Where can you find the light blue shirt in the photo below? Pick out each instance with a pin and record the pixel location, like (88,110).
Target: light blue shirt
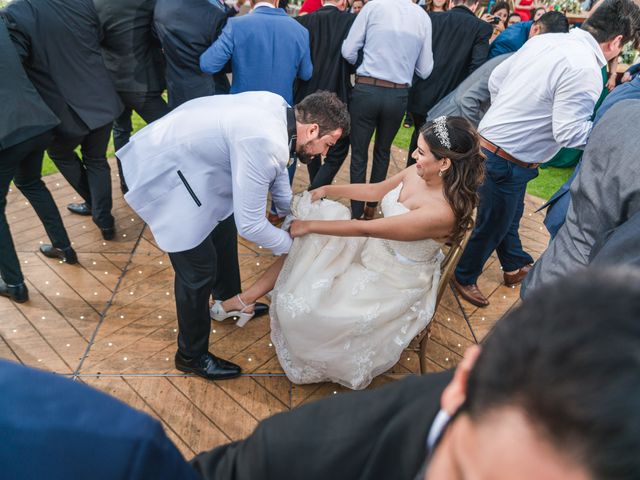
(395,36)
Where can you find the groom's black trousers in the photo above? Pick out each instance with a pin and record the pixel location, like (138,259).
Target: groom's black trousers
(212,266)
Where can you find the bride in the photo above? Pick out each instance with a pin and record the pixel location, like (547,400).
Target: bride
(352,294)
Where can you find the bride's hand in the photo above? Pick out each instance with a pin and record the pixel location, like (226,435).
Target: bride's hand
(299,228)
(318,193)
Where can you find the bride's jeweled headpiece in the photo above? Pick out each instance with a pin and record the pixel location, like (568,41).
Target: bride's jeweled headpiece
(440,128)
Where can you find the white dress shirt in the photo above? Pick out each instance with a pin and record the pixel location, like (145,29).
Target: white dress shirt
(543,97)
(209,158)
(396,36)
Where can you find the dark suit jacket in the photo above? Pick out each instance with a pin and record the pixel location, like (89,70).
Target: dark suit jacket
(186,28)
(328,27)
(59,44)
(131,52)
(24,114)
(460,45)
(376,434)
(618,246)
(45,418)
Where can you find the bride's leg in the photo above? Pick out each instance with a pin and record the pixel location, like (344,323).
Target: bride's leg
(261,287)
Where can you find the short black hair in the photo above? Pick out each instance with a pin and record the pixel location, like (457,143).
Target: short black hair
(553,22)
(325,109)
(613,18)
(514,14)
(500,6)
(569,358)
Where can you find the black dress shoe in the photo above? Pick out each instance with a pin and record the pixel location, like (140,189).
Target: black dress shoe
(79,209)
(108,233)
(260,309)
(208,366)
(67,255)
(17,293)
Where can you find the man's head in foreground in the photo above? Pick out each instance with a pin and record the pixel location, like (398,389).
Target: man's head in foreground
(554,393)
(321,120)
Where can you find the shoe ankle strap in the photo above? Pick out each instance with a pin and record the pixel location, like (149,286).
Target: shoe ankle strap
(244,305)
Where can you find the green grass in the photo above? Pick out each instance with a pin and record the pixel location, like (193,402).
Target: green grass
(548,181)
(546,184)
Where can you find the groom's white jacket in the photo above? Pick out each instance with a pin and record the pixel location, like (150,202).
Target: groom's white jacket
(209,158)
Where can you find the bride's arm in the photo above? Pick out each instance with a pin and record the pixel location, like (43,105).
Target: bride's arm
(366,192)
(419,224)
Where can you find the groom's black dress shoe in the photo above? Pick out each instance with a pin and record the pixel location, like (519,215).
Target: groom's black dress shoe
(260,309)
(208,366)
(79,208)
(17,293)
(67,255)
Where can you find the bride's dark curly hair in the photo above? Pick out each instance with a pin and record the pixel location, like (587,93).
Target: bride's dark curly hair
(462,179)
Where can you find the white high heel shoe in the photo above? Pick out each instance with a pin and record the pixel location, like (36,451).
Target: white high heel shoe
(218,313)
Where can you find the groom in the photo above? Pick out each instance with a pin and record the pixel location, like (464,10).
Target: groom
(202,173)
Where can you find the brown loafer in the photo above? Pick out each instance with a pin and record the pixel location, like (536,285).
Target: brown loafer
(515,278)
(369,213)
(471,293)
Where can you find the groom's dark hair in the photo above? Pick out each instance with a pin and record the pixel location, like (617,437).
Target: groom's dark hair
(569,358)
(325,109)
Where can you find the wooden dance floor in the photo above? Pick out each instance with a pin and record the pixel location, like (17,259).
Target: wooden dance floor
(110,322)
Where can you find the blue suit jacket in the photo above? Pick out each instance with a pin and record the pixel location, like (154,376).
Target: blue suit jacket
(57,429)
(268,50)
(511,40)
(559,203)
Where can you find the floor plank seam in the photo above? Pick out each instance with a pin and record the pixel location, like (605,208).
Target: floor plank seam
(109,303)
(464,315)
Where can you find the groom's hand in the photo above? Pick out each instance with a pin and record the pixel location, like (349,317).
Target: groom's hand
(318,194)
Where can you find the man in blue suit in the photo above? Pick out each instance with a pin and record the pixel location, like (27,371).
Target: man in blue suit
(511,39)
(54,428)
(267,48)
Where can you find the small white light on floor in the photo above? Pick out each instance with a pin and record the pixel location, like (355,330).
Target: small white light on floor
(104,243)
(106,273)
(540,228)
(41,242)
(271,345)
(459,345)
(15,330)
(110,344)
(84,226)
(68,345)
(448,319)
(121,316)
(10,190)
(175,330)
(95,293)
(130,293)
(159,316)
(81,317)
(46,282)
(166,359)
(73,243)
(133,220)
(260,246)
(124,235)
(483,319)
(160,262)
(334,392)
(504,296)
(140,272)
(257,264)
(125,359)
(249,358)
(26,203)
(513,286)
(44,318)
(167,294)
(57,293)
(60,261)
(446,359)
(26,261)
(39,360)
(57,184)
(408,359)
(213,331)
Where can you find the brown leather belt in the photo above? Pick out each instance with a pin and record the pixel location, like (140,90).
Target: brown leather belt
(379,83)
(496,150)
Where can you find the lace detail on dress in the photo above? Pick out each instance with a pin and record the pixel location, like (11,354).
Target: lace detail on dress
(367,277)
(294,305)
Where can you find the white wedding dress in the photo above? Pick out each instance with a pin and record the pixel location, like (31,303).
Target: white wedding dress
(344,308)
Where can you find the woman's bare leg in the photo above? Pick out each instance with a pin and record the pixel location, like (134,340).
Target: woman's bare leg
(261,287)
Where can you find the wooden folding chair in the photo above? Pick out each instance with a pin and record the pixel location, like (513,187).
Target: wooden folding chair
(447,267)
